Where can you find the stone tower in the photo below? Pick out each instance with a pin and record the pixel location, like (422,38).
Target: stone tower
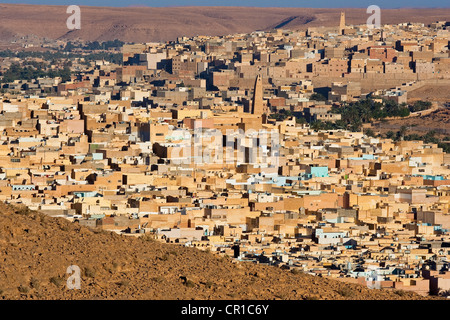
(342,23)
(257,101)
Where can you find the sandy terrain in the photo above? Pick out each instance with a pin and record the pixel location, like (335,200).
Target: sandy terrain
(145,24)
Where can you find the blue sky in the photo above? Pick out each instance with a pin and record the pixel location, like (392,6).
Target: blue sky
(252,3)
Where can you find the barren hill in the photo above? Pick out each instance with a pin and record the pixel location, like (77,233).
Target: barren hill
(437,121)
(146,24)
(35,251)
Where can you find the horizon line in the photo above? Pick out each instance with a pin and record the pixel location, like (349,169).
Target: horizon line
(220,6)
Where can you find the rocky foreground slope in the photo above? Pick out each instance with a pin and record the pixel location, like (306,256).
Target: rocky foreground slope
(35,251)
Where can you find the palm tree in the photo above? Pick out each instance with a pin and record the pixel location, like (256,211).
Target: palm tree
(390,134)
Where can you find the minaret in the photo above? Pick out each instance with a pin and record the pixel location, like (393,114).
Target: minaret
(257,101)
(342,23)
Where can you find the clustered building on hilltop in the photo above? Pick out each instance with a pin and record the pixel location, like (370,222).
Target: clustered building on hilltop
(177,144)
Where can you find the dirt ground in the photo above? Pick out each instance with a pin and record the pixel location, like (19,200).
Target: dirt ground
(36,250)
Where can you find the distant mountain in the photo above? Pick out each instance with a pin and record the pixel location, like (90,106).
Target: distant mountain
(146,24)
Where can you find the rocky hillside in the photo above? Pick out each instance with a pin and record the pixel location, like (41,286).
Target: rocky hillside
(35,251)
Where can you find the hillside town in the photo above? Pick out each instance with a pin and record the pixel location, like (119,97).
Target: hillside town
(238,145)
